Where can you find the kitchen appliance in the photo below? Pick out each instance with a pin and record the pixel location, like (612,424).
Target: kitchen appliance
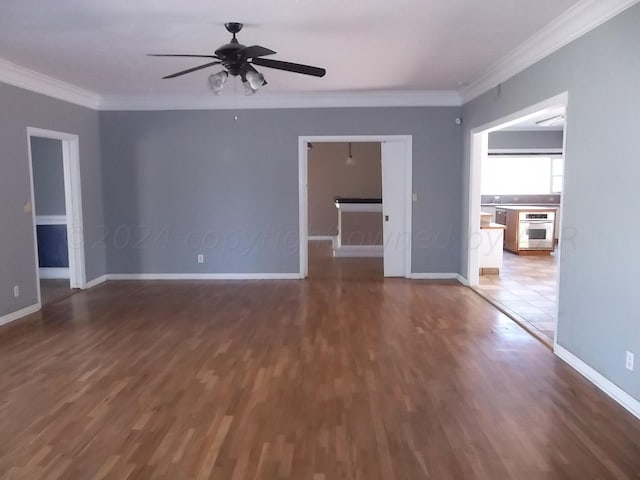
(536,230)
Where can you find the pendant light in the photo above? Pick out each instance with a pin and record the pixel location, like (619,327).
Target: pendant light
(350,160)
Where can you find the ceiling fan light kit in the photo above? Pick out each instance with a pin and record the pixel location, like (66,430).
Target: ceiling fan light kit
(217,81)
(238,61)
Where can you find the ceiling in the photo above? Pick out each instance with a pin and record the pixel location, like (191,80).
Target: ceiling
(531,122)
(364,45)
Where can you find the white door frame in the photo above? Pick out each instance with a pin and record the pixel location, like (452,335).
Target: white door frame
(478,150)
(303,160)
(73,204)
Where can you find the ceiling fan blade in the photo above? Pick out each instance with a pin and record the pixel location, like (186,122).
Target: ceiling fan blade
(179,55)
(255,51)
(290,67)
(193,69)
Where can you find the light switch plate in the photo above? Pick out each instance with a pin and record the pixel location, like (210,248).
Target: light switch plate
(414,196)
(27,207)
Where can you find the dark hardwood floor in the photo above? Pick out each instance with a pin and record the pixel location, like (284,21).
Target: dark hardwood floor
(329,378)
(53,290)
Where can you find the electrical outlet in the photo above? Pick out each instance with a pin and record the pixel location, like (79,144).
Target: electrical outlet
(630,361)
(16,291)
(200,258)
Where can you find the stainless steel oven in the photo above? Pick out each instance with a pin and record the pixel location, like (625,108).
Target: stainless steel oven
(536,231)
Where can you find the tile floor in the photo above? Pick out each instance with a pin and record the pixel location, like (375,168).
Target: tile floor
(526,287)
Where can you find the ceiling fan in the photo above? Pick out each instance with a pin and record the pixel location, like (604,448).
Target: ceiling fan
(239,60)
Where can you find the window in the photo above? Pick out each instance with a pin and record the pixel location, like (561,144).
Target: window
(522,175)
(557,174)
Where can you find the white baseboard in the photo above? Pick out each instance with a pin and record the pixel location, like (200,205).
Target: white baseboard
(359,251)
(434,276)
(321,238)
(204,276)
(96,281)
(462,279)
(12,317)
(49,273)
(611,389)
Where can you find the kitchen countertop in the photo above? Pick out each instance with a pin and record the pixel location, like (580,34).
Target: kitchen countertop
(493,226)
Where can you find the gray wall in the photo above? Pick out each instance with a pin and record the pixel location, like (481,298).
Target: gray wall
(179,183)
(526,139)
(20,109)
(48,176)
(598,318)
(330,176)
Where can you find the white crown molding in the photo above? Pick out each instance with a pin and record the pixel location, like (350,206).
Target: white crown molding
(33,81)
(572,24)
(264,100)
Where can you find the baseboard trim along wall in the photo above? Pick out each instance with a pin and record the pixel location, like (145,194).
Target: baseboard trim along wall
(12,317)
(204,276)
(96,281)
(611,389)
(437,276)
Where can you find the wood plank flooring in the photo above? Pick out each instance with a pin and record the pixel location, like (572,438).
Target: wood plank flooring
(324,379)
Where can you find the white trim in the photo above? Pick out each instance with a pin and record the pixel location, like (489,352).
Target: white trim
(401,98)
(53,273)
(73,202)
(508,151)
(303,205)
(572,24)
(203,276)
(435,276)
(12,317)
(360,207)
(51,219)
(359,251)
(96,281)
(33,81)
(631,404)
(531,128)
(322,238)
(303,160)
(463,280)
(32,199)
(479,148)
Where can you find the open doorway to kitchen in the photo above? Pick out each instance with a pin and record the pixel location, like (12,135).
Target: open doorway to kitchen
(355,205)
(56,207)
(518,175)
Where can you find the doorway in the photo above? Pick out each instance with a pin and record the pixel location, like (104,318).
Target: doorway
(56,208)
(345,210)
(396,161)
(525,283)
